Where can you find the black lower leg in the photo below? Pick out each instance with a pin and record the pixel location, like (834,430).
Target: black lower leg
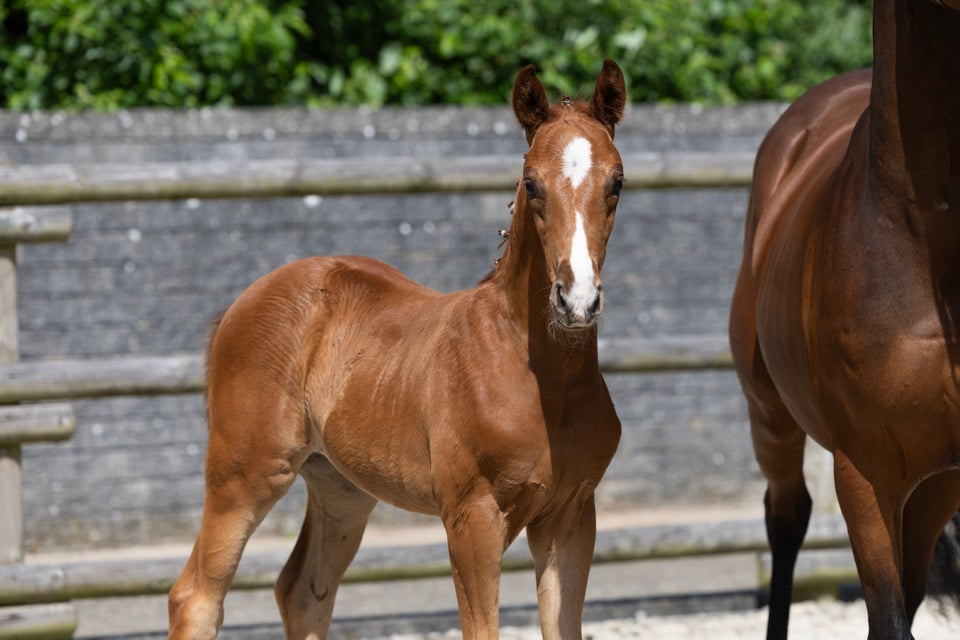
(785,533)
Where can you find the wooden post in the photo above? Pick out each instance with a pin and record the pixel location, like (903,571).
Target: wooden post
(11,502)
(32,423)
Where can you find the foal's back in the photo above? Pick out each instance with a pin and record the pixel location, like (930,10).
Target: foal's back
(291,316)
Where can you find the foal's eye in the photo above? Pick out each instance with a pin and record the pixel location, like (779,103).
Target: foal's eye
(617,186)
(531,188)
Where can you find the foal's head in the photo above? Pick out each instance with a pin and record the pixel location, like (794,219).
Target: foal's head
(571,184)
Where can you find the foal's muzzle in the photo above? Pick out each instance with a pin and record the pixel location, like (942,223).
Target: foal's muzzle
(576,306)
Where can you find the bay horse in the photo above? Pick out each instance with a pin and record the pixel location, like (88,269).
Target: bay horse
(485,407)
(845,322)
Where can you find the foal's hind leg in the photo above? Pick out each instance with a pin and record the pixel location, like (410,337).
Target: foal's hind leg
(337,513)
(251,462)
(233,509)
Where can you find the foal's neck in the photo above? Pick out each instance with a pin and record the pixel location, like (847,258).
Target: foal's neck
(521,282)
(915,104)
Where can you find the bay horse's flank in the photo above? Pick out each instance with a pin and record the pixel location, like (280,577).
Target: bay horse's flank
(844,324)
(485,407)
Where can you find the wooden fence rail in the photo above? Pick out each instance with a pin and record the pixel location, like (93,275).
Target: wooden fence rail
(259,569)
(34,224)
(20,424)
(62,183)
(184,373)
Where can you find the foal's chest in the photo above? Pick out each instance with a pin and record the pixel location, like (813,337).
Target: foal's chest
(580,443)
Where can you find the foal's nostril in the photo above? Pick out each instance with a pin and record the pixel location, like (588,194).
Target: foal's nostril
(560,299)
(597,301)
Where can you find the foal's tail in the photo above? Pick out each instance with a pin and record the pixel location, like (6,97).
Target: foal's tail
(212,327)
(944,581)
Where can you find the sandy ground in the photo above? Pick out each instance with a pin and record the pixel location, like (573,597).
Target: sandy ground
(824,620)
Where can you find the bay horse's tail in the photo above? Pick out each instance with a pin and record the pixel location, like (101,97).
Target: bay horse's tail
(944,583)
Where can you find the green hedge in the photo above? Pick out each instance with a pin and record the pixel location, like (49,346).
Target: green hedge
(106,54)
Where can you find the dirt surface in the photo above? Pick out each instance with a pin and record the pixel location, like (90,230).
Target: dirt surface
(823,620)
(638,593)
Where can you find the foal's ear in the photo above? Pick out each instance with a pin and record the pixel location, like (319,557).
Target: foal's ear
(530,102)
(610,96)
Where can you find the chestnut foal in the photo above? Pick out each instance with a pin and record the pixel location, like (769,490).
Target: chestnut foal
(485,407)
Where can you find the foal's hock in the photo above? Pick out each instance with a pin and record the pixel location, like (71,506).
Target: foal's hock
(485,407)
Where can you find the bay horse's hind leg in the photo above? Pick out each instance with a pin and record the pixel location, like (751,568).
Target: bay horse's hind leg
(337,513)
(875,525)
(933,503)
(778,444)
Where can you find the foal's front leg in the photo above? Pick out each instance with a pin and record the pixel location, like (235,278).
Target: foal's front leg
(476,539)
(562,547)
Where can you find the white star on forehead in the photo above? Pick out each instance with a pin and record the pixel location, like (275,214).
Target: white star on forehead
(577,160)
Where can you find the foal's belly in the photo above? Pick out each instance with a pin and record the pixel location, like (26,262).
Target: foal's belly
(364,380)
(370,422)
(381,445)
(389,474)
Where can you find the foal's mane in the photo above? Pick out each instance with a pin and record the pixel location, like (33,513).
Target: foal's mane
(489,275)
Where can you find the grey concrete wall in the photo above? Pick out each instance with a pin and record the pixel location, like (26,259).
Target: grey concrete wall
(146,277)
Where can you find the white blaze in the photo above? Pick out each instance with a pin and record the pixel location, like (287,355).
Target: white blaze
(583,291)
(577,160)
